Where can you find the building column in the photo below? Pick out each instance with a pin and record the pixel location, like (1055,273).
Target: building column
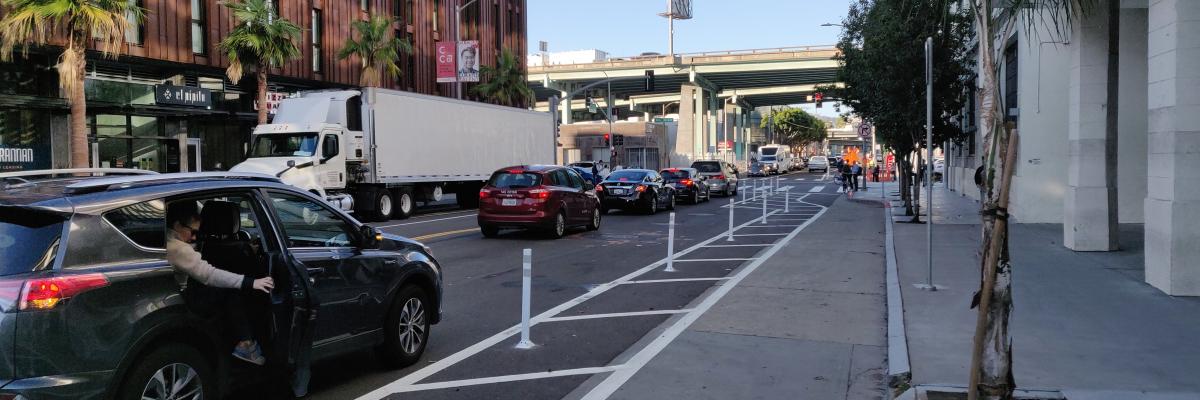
(1172,204)
(700,128)
(1090,209)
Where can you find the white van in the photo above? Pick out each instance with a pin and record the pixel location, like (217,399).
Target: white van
(776,158)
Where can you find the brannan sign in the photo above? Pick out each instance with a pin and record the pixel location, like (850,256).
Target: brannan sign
(182,96)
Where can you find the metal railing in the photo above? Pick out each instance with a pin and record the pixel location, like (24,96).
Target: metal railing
(647,57)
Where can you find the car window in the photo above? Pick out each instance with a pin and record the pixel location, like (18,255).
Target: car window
(142,223)
(28,240)
(676,174)
(576,179)
(247,216)
(709,167)
(515,180)
(307,223)
(627,176)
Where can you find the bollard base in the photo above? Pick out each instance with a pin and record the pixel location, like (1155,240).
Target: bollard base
(931,288)
(525,345)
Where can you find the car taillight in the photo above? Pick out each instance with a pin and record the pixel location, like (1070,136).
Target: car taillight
(46,293)
(686,182)
(540,194)
(640,188)
(719,177)
(484,193)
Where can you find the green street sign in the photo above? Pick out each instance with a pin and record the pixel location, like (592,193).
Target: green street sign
(664,119)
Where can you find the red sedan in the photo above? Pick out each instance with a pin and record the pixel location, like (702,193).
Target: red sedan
(549,198)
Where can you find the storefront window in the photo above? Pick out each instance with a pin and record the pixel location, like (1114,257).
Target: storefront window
(24,140)
(133,141)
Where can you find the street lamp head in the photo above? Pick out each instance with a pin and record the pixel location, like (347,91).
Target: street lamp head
(830,24)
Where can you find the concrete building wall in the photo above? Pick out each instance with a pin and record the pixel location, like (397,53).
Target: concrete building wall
(1040,180)
(1131,143)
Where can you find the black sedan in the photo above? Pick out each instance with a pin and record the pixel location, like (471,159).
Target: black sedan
(635,189)
(688,183)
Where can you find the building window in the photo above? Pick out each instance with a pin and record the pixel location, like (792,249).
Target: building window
(1010,83)
(499,33)
(198,42)
(408,11)
(316,40)
(365,5)
(134,33)
(436,14)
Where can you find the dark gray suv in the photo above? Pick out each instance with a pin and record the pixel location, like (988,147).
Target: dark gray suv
(90,309)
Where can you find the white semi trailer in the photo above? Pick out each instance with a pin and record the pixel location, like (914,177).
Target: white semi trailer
(378,152)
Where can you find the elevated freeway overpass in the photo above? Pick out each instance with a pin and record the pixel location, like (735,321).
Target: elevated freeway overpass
(714,92)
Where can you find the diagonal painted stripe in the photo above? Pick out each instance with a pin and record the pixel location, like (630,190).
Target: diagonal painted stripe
(619,315)
(816,189)
(506,378)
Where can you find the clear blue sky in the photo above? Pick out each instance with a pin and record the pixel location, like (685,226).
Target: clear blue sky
(630,27)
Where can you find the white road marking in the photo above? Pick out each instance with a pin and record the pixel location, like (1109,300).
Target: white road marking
(427,221)
(759,234)
(507,378)
(741,245)
(771,226)
(840,190)
(675,280)
(405,383)
(618,378)
(616,315)
(816,189)
(713,259)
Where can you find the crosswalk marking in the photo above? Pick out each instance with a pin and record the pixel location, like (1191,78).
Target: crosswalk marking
(817,189)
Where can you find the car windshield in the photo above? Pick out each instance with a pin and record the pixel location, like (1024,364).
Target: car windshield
(676,174)
(582,165)
(515,180)
(707,167)
(769,151)
(285,145)
(28,240)
(817,160)
(627,176)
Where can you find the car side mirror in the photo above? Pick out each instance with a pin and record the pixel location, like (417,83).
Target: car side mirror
(291,163)
(369,237)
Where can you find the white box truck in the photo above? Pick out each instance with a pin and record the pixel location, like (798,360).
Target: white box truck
(777,158)
(377,152)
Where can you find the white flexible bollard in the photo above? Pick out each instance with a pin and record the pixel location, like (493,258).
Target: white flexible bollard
(787,200)
(764,216)
(526,282)
(730,238)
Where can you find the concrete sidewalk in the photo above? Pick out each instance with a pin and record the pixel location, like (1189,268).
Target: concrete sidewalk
(807,324)
(1085,324)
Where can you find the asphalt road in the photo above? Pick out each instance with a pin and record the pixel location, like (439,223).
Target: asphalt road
(483,287)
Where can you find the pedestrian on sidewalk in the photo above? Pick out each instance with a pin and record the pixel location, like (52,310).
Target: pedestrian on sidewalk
(875,173)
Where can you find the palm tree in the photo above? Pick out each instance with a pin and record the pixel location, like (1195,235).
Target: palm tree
(505,83)
(376,48)
(990,372)
(261,39)
(35,22)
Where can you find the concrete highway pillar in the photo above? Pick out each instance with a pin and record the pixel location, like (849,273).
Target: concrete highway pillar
(566,107)
(685,137)
(1172,204)
(1090,209)
(701,126)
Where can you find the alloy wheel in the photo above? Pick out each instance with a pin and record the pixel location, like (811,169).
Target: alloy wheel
(560,225)
(176,381)
(412,325)
(385,205)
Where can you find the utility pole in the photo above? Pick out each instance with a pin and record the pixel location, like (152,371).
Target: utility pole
(458,38)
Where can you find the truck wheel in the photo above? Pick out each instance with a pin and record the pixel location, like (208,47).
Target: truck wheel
(174,371)
(404,203)
(407,329)
(384,206)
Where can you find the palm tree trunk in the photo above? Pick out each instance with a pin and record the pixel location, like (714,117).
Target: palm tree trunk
(78,99)
(902,173)
(916,188)
(261,75)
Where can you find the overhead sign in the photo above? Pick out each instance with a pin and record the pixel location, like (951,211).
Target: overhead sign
(182,96)
(446,67)
(273,99)
(468,61)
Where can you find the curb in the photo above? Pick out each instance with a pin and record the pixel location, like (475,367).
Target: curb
(899,369)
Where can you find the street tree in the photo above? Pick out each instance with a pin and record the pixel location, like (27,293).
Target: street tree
(260,39)
(376,48)
(882,66)
(990,371)
(795,127)
(36,22)
(505,84)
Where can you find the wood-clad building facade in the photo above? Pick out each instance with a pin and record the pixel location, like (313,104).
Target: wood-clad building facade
(177,45)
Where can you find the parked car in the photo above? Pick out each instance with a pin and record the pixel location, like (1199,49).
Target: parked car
(720,176)
(635,189)
(548,198)
(688,183)
(818,163)
(601,169)
(92,310)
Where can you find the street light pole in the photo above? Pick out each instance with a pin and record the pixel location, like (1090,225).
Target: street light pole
(670,29)
(458,38)
(929,162)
